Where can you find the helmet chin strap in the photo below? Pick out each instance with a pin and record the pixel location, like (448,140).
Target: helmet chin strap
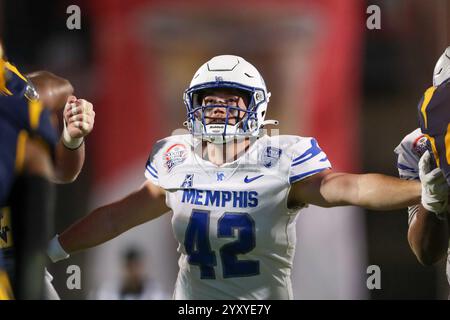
(217,137)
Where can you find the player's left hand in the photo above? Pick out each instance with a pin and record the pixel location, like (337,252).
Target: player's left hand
(79,118)
(434,186)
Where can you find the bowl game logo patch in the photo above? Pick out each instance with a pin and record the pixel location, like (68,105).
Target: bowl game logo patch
(174,155)
(420,146)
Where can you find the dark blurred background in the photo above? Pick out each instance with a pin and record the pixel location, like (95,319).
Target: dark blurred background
(389,69)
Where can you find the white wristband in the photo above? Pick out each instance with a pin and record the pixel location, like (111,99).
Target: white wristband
(55,252)
(69,142)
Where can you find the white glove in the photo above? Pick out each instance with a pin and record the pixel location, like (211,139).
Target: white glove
(55,252)
(434,187)
(78,121)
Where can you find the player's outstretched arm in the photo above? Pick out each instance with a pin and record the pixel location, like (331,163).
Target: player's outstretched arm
(107,222)
(371,191)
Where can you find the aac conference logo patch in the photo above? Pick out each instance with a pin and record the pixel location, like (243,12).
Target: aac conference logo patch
(174,155)
(270,156)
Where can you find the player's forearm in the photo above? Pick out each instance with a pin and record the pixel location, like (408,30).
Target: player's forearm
(371,191)
(96,228)
(428,236)
(107,222)
(92,230)
(381,192)
(68,163)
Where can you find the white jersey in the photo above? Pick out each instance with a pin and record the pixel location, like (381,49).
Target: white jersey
(409,152)
(235,231)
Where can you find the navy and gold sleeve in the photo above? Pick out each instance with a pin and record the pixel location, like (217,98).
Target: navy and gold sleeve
(16,82)
(28,112)
(20,114)
(434,121)
(41,125)
(20,118)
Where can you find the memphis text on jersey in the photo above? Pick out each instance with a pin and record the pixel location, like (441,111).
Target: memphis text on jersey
(239,199)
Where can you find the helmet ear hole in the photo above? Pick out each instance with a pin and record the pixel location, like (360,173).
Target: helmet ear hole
(263,113)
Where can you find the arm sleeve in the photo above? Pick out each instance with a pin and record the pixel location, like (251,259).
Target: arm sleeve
(307,160)
(434,120)
(40,124)
(408,152)
(31,116)
(38,118)
(152,165)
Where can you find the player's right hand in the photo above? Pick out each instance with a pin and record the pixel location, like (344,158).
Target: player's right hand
(434,187)
(79,118)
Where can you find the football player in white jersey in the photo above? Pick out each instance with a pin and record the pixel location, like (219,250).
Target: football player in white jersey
(429,229)
(234,191)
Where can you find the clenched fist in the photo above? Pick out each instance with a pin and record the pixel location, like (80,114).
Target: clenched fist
(79,118)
